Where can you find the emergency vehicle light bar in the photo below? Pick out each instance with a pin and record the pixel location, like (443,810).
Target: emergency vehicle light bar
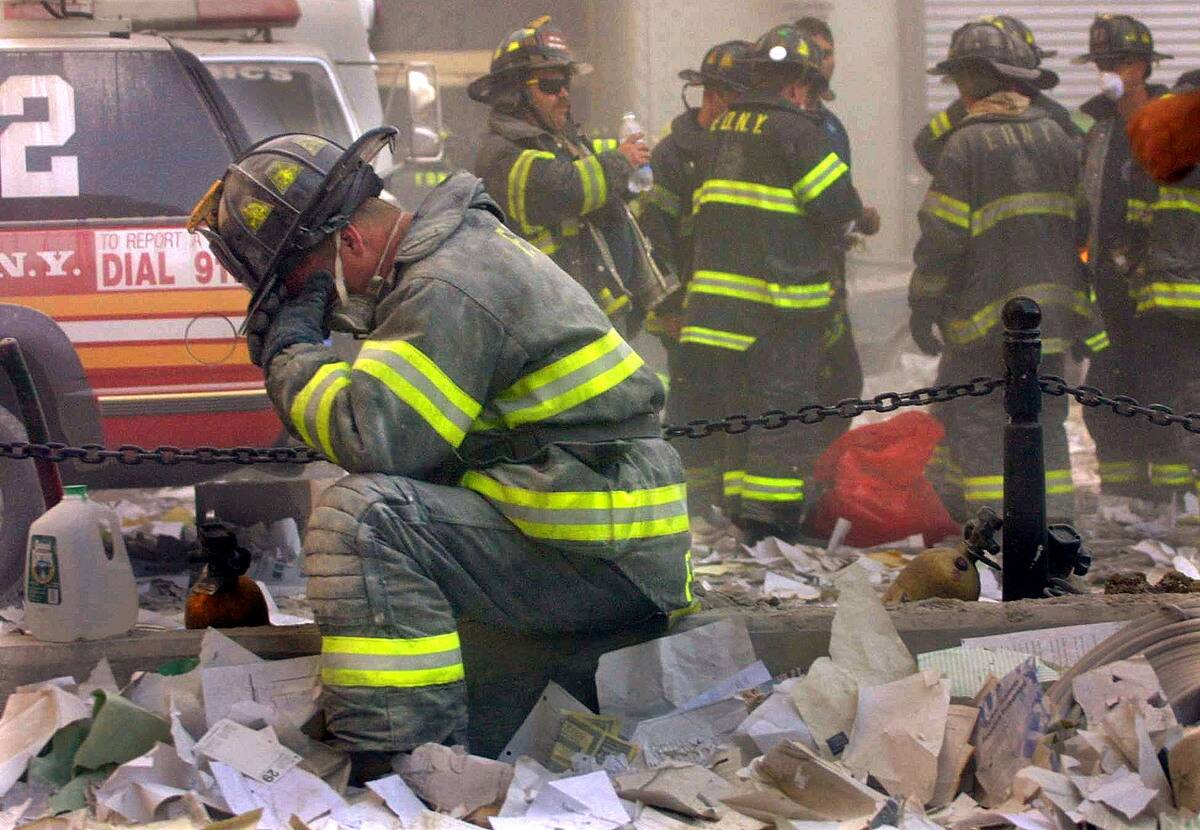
(161,15)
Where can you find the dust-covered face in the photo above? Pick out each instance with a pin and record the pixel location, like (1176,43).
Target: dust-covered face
(550,94)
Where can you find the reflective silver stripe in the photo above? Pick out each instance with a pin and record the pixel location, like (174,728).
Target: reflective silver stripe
(378,662)
(1022,204)
(568,382)
(447,410)
(1178,198)
(701,336)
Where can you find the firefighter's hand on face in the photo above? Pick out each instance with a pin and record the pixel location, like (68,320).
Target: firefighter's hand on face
(634,150)
(920,326)
(868,223)
(282,321)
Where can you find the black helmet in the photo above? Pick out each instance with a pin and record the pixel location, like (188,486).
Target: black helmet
(1119,36)
(787,46)
(283,196)
(983,42)
(538,45)
(723,65)
(1020,31)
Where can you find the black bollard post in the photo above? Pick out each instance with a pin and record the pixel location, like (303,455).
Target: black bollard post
(1024,544)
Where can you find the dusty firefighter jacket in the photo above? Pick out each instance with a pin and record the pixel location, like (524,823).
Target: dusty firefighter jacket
(490,368)
(1120,197)
(932,138)
(566,199)
(1001,219)
(1168,280)
(665,210)
(773,204)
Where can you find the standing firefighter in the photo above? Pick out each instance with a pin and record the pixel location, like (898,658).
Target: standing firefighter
(556,191)
(769,214)
(502,438)
(1136,459)
(929,142)
(999,220)
(665,211)
(1166,290)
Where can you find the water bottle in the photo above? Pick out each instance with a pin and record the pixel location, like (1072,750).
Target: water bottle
(642,178)
(78,581)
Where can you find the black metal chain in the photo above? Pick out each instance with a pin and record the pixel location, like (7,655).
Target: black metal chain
(847,408)
(1123,405)
(130,454)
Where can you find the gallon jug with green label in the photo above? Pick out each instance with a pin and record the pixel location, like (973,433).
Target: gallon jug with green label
(78,581)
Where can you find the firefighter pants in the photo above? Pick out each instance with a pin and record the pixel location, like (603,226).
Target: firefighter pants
(1164,355)
(1124,446)
(968,469)
(762,473)
(394,563)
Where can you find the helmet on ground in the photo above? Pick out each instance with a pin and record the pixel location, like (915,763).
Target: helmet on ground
(787,46)
(1119,36)
(981,42)
(282,197)
(723,65)
(538,45)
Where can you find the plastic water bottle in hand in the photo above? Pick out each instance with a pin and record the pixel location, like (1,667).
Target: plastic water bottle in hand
(642,178)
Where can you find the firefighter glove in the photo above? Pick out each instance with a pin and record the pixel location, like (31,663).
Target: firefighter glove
(299,319)
(920,325)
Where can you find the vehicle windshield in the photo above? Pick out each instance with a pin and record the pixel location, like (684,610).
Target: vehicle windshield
(273,97)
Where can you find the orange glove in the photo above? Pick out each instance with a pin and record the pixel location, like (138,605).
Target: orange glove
(1165,136)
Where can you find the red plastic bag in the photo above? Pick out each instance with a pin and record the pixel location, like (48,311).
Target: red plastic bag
(875,479)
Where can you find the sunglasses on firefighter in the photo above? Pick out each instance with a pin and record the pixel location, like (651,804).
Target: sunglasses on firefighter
(550,86)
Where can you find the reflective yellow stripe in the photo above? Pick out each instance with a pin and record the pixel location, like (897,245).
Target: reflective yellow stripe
(595,187)
(602,500)
(1098,342)
(1178,198)
(991,488)
(586,516)
(753,289)
(306,413)
(610,304)
(395,662)
(325,416)
(518,182)
(745,194)
(1021,204)
(1166,475)
(1138,211)
(702,336)
(770,488)
(415,379)
(392,647)
(816,181)
(569,381)
(954,211)
(1168,295)
(960,332)
(399,679)
(731,482)
(940,125)
(689,578)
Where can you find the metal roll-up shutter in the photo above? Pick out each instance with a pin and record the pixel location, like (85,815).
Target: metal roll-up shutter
(1063,25)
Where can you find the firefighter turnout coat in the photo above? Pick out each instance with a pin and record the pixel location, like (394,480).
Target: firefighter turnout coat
(567,200)
(774,201)
(493,412)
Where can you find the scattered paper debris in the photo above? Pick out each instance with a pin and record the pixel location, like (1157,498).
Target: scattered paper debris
(1012,718)
(684,788)
(451,780)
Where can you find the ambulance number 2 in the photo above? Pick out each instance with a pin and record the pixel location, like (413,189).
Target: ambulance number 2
(17,181)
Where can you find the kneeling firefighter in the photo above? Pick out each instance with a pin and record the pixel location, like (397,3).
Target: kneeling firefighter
(502,439)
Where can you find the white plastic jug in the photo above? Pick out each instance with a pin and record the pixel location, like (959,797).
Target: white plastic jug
(78,581)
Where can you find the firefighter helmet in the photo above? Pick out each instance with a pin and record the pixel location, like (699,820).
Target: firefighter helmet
(1020,31)
(786,45)
(283,196)
(1119,36)
(537,45)
(982,42)
(723,65)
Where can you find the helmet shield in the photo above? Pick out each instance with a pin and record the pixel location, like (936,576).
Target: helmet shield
(1119,36)
(537,45)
